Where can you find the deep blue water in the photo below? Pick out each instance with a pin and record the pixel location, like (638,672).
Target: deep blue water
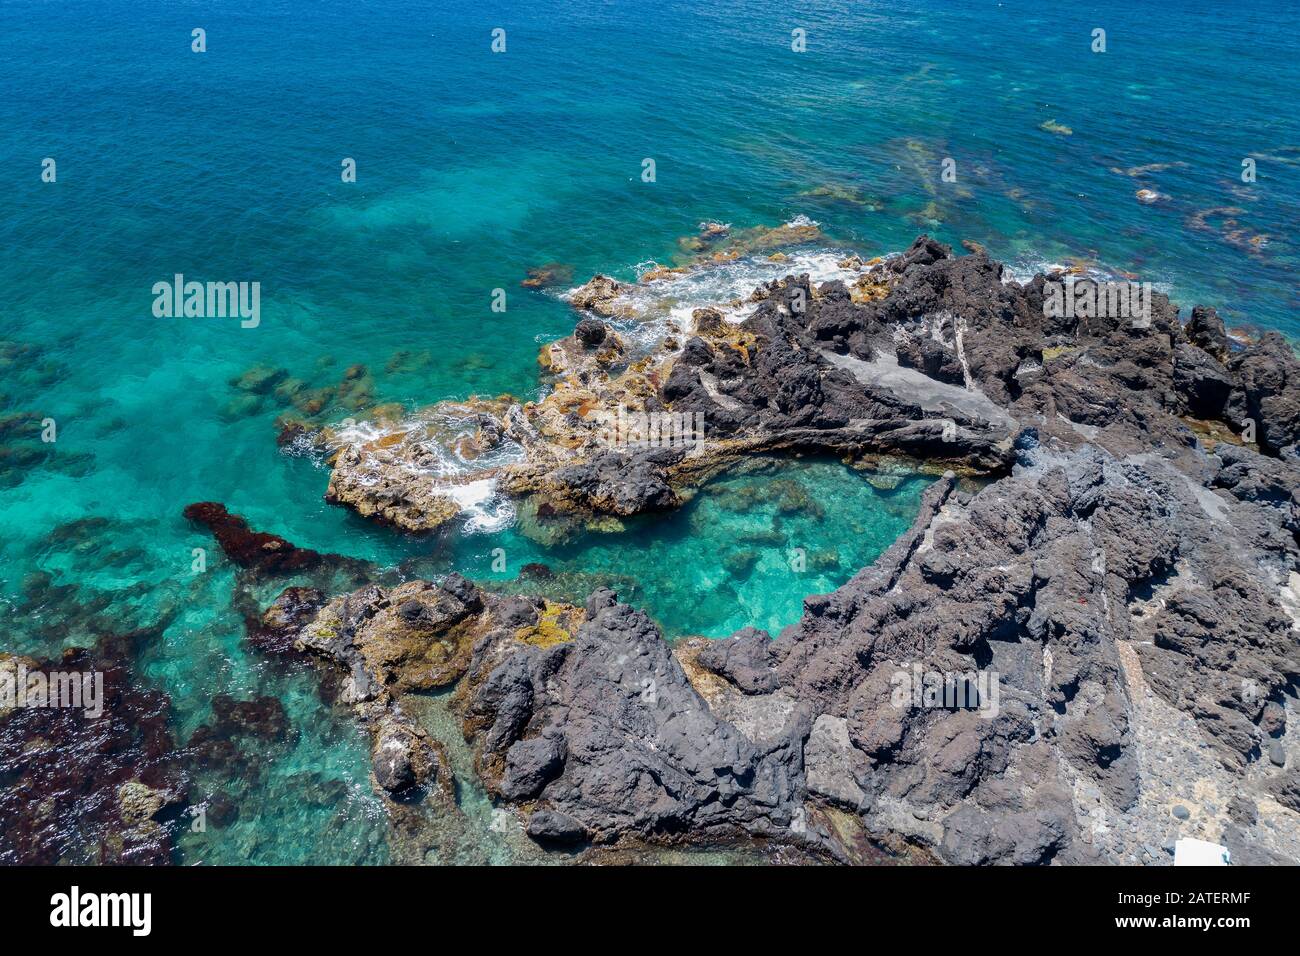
(473,167)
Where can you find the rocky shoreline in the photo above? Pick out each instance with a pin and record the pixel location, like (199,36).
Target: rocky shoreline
(796,375)
(1126,568)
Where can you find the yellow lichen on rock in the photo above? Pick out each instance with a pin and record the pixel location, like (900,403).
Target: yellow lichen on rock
(555,625)
(1056,351)
(869,287)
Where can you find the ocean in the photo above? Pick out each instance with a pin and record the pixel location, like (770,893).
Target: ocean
(474,166)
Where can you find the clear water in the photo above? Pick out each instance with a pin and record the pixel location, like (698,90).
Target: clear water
(744,552)
(473,167)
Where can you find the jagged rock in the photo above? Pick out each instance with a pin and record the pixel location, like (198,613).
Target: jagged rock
(743,659)
(413,637)
(1226,632)
(1243,810)
(1276,754)
(771,382)
(139,804)
(608,483)
(931,358)
(972,837)
(643,754)
(1202,382)
(547,826)
(599,294)
(831,762)
(1205,329)
(1267,378)
(416,636)
(530,765)
(1273,720)
(708,321)
(590,332)
(1018,577)
(402,756)
(697,353)
(391,495)
(281,621)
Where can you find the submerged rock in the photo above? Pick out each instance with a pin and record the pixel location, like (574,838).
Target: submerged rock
(239,727)
(249,548)
(550,274)
(90,788)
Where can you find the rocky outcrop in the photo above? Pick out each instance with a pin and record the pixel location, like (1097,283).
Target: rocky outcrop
(611,736)
(600,294)
(1206,331)
(1046,666)
(415,637)
(812,369)
(387,641)
(1038,581)
(385,488)
(1266,391)
(403,757)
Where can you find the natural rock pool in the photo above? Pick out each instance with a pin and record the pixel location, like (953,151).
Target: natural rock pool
(744,553)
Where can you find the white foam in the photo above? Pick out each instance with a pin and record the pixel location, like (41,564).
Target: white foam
(352,432)
(725,286)
(470,483)
(485,510)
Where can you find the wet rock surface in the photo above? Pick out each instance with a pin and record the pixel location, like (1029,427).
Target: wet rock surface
(1118,597)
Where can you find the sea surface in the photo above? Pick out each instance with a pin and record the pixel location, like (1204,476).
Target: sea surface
(475,166)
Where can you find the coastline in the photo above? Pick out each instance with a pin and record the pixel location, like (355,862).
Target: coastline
(791,733)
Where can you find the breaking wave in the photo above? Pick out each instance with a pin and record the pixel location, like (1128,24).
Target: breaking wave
(661,304)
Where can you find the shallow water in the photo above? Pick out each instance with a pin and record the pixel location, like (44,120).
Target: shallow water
(744,552)
(474,167)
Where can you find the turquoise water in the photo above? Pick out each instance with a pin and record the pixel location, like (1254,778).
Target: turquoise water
(474,167)
(744,552)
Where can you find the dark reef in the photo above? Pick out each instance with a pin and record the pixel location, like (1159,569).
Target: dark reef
(90,789)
